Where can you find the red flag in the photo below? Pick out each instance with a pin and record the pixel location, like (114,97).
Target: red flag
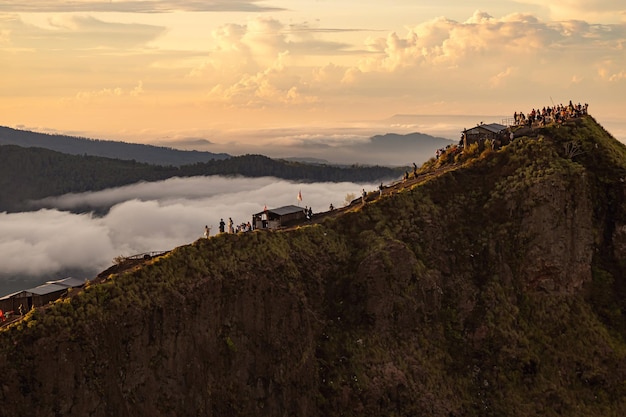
(299,195)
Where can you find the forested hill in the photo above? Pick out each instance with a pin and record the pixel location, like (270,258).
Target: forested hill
(493,285)
(35,173)
(157,155)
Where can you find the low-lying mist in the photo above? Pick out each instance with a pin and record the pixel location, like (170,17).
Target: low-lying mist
(48,243)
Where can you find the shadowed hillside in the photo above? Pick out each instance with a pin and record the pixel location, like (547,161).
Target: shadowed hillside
(490,285)
(35,173)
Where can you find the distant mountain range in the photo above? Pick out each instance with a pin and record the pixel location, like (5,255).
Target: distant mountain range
(155,155)
(389,149)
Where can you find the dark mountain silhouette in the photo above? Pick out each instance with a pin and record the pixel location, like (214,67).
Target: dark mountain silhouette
(72,145)
(34,173)
(490,285)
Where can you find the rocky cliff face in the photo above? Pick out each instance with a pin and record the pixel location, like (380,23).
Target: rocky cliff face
(495,288)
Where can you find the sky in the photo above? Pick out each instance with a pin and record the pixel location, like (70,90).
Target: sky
(146,217)
(246,75)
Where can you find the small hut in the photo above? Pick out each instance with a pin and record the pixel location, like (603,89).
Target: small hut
(38,296)
(278,217)
(482,132)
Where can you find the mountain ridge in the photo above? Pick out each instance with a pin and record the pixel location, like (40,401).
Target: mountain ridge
(411,143)
(73,145)
(490,285)
(29,175)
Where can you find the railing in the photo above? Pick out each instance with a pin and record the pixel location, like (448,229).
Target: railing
(147,255)
(509,121)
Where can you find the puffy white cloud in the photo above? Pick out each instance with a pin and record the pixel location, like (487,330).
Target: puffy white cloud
(49,240)
(596,10)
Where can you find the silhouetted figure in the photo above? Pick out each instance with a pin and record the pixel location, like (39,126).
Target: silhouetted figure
(222,225)
(207,231)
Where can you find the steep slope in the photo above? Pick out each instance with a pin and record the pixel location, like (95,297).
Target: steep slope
(494,289)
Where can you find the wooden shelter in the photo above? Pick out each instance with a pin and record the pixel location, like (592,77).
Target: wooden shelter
(278,217)
(482,132)
(38,296)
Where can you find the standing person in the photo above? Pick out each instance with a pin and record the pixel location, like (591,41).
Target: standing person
(230,225)
(207,231)
(380,189)
(222,224)
(363,195)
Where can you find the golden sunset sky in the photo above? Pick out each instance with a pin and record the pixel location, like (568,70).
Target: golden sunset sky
(257,71)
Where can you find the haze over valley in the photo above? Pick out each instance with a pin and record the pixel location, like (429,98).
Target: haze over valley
(38,246)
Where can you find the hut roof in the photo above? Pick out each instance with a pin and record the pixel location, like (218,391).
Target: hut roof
(68,282)
(282,211)
(491,127)
(46,289)
(13,294)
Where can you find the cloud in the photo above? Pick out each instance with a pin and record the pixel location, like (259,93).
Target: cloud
(83,97)
(137,6)
(143,217)
(516,56)
(483,52)
(76,32)
(597,10)
(54,241)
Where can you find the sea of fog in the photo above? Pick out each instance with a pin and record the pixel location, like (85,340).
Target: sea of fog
(54,242)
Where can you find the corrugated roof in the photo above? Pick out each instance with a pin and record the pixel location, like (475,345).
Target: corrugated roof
(47,289)
(68,282)
(13,294)
(281,211)
(491,127)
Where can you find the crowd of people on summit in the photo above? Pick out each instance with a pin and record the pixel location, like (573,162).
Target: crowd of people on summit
(535,118)
(555,113)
